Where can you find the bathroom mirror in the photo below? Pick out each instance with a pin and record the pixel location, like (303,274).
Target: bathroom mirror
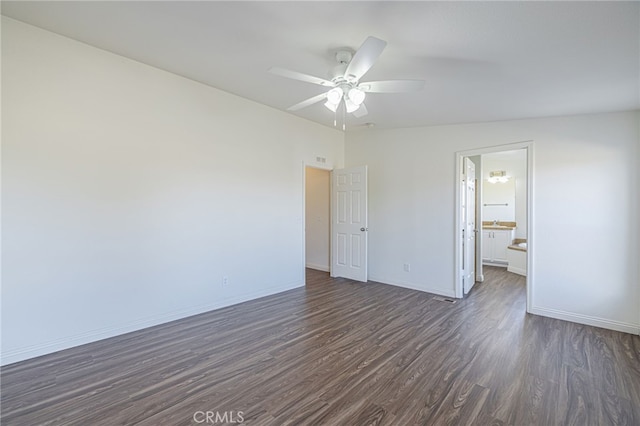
(499,201)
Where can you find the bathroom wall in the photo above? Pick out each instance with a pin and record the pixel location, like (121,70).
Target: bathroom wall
(513,192)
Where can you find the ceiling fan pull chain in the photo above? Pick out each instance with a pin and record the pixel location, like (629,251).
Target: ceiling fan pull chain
(344,117)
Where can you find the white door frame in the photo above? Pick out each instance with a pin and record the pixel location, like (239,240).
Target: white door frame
(528,145)
(328,168)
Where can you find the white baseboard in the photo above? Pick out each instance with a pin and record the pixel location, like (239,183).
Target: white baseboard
(413,286)
(517,270)
(587,320)
(20,354)
(317,267)
(500,264)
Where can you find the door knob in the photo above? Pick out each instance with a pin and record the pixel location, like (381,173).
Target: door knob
(364,229)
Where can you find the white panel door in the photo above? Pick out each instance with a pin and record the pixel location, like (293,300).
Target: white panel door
(469,225)
(349,224)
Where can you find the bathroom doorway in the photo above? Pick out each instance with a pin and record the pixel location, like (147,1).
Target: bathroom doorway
(503,216)
(503,231)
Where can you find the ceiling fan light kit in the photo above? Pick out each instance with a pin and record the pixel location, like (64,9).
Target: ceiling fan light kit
(331,106)
(350,106)
(356,96)
(346,87)
(335,95)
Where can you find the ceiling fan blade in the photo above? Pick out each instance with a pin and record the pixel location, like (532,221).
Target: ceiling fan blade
(360,112)
(308,102)
(300,76)
(392,86)
(364,58)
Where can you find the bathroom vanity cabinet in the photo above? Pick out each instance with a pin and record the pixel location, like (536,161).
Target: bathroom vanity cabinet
(494,245)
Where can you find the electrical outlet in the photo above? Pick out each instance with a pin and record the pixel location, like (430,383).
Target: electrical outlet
(225,281)
(407,267)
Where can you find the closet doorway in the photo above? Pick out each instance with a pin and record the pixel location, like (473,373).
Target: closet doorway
(317,234)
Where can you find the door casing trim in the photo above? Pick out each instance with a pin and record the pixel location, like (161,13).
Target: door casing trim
(459,155)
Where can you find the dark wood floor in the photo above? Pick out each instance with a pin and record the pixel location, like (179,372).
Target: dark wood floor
(342,353)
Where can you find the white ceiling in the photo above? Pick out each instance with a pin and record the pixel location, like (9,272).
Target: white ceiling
(482,61)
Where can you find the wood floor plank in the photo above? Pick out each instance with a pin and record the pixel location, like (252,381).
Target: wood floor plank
(342,352)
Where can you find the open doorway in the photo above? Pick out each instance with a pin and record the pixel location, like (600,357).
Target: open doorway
(503,210)
(317,232)
(335,221)
(502,215)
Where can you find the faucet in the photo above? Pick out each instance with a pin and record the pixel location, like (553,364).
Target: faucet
(495,222)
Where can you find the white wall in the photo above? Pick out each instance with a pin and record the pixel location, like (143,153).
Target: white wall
(317,190)
(585,209)
(129,192)
(521,202)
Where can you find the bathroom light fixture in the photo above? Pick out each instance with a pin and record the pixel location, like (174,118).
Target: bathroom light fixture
(498,177)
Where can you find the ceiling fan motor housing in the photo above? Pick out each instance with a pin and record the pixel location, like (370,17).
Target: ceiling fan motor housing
(343,56)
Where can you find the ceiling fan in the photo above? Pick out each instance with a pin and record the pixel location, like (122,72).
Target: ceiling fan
(346,90)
